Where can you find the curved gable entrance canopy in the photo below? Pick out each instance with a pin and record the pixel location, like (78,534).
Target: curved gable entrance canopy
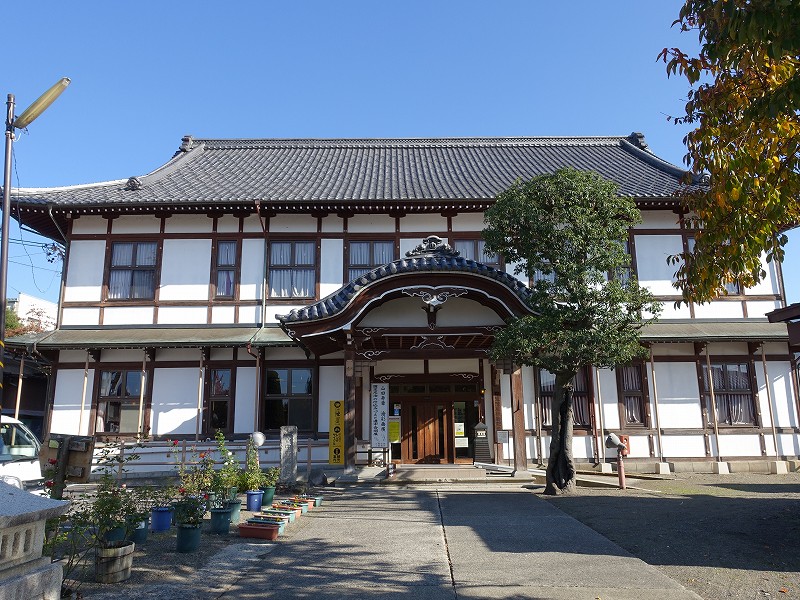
(433,302)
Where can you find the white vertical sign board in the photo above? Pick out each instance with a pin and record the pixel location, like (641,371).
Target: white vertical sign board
(379,403)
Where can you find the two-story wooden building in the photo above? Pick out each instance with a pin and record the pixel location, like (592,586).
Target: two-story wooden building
(246,284)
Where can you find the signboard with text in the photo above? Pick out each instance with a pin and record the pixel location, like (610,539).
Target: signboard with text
(336,433)
(379,413)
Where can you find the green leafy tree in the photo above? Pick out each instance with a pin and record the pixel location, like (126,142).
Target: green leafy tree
(744,102)
(567,230)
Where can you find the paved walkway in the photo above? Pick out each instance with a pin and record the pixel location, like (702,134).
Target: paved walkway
(441,541)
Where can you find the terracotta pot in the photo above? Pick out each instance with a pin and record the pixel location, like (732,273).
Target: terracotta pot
(258,530)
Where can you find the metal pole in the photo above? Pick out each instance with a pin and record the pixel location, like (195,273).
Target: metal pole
(199,398)
(4,234)
(769,401)
(713,403)
(142,383)
(600,444)
(83,394)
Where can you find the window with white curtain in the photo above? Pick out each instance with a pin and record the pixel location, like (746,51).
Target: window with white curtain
(133,271)
(475,250)
(365,256)
(580,397)
(733,393)
(630,383)
(292,270)
(226,268)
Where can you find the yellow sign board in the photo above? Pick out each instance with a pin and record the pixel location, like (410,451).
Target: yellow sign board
(336,433)
(394,430)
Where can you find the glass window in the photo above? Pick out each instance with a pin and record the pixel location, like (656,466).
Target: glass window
(292,272)
(624,272)
(475,250)
(580,397)
(365,256)
(631,387)
(289,399)
(226,269)
(219,403)
(733,394)
(133,274)
(118,402)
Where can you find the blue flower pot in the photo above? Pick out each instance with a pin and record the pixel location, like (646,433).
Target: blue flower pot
(161,518)
(254,500)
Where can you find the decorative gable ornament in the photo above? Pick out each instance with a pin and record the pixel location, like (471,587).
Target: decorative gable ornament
(433,244)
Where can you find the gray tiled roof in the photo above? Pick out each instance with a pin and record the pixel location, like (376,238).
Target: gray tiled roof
(206,171)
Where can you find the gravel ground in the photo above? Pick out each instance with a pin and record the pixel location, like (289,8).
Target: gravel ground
(722,536)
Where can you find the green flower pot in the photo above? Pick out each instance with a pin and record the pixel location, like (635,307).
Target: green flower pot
(268,497)
(188,538)
(236,510)
(220,520)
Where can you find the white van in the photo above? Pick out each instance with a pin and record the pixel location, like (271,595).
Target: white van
(19,452)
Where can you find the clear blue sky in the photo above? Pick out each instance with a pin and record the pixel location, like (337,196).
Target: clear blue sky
(146,73)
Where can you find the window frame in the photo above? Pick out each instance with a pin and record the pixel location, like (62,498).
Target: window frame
(132,268)
(126,400)
(725,393)
(481,258)
(216,268)
(292,267)
(349,265)
(212,397)
(585,396)
(643,395)
(289,395)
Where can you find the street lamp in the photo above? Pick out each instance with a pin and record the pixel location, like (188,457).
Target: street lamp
(21,122)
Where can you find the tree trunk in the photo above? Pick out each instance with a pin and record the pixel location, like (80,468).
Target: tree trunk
(560,466)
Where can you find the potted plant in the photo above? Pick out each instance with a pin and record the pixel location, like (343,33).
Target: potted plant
(114,511)
(229,472)
(161,508)
(252,478)
(189,512)
(220,511)
(268,486)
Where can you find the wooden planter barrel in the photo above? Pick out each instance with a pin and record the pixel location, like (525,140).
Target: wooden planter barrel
(112,563)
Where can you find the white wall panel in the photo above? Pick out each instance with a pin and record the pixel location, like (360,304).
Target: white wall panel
(678,395)
(332,224)
(402,312)
(454,365)
(88,224)
(128,315)
(607,383)
(658,219)
(188,224)
(331,387)
(528,399)
(737,445)
(757,309)
(252,270)
(670,311)
(640,446)
(278,309)
(228,224)
(332,266)
(221,354)
(80,316)
(223,315)
(244,411)
(135,224)
(178,354)
(429,224)
(185,270)
(371,224)
(401,367)
(252,224)
(67,402)
(85,271)
(110,356)
(780,388)
(769,285)
(293,224)
(72,356)
(651,262)
(174,402)
(462,312)
(468,222)
(730,309)
(505,402)
(182,315)
(684,446)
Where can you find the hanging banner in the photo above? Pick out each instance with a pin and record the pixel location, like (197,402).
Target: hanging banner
(379,403)
(336,433)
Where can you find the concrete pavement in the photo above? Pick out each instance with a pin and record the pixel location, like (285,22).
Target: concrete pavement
(438,541)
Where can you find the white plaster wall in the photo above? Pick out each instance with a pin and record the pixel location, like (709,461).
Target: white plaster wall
(769,285)
(429,224)
(788,444)
(250,314)
(400,367)
(678,396)
(128,315)
(640,446)
(110,356)
(251,276)
(278,309)
(505,401)
(89,225)
(221,354)
(174,402)
(658,219)
(673,350)
(370,224)
(683,446)
(273,354)
(85,271)
(402,312)
(135,224)
(759,308)
(72,356)
(607,384)
(331,273)
(228,224)
(244,409)
(223,315)
(528,399)
(293,224)
(780,389)
(670,311)
(252,224)
(736,445)
(332,224)
(719,310)
(67,402)
(178,354)
(582,447)
(460,311)
(727,348)
(331,387)
(185,270)
(182,315)
(454,365)
(468,222)
(80,316)
(651,262)
(188,224)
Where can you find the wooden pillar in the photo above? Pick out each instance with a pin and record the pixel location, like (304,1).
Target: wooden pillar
(518,420)
(349,410)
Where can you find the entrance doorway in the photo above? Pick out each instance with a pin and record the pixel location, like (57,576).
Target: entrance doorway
(437,422)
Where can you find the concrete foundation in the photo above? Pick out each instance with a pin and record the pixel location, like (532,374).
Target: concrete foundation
(720,468)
